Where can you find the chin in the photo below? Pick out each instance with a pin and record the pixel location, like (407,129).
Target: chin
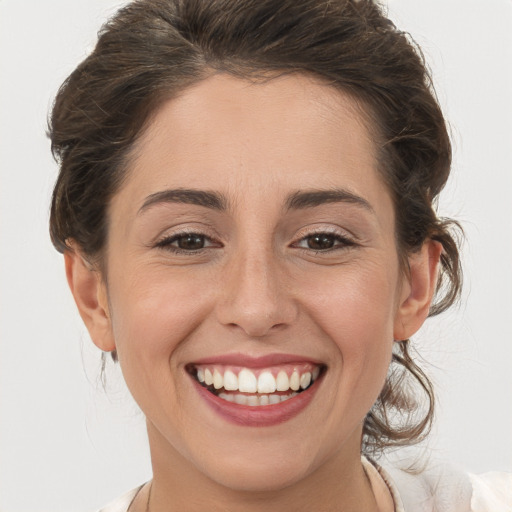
(250,476)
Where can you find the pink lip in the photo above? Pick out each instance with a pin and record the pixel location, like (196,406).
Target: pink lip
(257,416)
(247,361)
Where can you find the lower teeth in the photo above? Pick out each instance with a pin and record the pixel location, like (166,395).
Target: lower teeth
(255,400)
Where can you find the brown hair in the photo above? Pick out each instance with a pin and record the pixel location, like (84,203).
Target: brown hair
(153,49)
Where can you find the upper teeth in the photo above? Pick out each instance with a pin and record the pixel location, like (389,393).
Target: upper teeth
(246,381)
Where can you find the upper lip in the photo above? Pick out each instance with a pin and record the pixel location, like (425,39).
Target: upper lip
(250,361)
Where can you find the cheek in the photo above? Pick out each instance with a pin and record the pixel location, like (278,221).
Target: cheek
(354,301)
(356,311)
(151,316)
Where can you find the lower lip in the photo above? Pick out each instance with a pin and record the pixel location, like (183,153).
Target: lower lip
(259,415)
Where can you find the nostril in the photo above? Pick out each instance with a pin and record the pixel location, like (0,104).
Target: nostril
(257,329)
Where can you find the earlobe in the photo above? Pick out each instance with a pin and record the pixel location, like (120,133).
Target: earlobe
(415,305)
(89,292)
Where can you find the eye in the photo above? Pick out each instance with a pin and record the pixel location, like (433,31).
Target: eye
(324,242)
(321,241)
(190,241)
(185,242)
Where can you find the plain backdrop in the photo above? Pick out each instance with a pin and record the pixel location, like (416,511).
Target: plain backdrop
(66,444)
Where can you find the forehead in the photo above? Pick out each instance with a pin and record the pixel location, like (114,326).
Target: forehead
(290,132)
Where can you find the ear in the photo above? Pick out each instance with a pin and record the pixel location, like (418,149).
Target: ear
(418,291)
(90,294)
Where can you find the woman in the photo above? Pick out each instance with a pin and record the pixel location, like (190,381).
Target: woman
(245,207)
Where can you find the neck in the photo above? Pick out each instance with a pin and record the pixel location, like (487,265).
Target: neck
(339,484)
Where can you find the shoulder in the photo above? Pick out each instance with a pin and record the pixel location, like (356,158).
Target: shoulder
(492,491)
(443,487)
(122,503)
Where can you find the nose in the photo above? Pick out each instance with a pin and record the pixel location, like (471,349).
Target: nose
(256,295)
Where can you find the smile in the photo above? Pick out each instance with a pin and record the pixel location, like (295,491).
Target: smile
(257,396)
(246,386)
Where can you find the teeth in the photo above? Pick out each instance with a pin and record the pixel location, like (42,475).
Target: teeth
(240,399)
(266,383)
(208,377)
(305,380)
(295,381)
(218,380)
(282,381)
(274,399)
(230,381)
(247,382)
(264,400)
(227,396)
(254,400)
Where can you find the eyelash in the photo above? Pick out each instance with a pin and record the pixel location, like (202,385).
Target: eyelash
(340,242)
(166,243)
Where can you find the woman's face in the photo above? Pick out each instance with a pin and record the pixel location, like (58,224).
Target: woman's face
(253,240)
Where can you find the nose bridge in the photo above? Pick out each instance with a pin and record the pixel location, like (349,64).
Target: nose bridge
(255,292)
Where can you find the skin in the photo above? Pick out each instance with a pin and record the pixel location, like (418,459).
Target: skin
(257,287)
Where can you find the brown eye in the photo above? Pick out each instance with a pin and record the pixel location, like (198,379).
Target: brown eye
(321,241)
(190,242)
(187,243)
(324,242)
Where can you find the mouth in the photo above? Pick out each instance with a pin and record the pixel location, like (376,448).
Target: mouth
(257,392)
(256,387)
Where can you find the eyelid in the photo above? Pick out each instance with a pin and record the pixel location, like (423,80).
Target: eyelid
(328,230)
(168,241)
(345,240)
(169,236)
(185,228)
(342,242)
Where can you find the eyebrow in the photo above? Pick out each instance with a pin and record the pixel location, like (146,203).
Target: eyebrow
(205,198)
(216,201)
(311,198)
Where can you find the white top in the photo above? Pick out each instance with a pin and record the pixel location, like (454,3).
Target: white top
(439,488)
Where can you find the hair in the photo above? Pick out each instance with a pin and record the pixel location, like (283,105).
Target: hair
(152,50)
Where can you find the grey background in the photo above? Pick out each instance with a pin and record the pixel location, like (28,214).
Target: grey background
(65,443)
